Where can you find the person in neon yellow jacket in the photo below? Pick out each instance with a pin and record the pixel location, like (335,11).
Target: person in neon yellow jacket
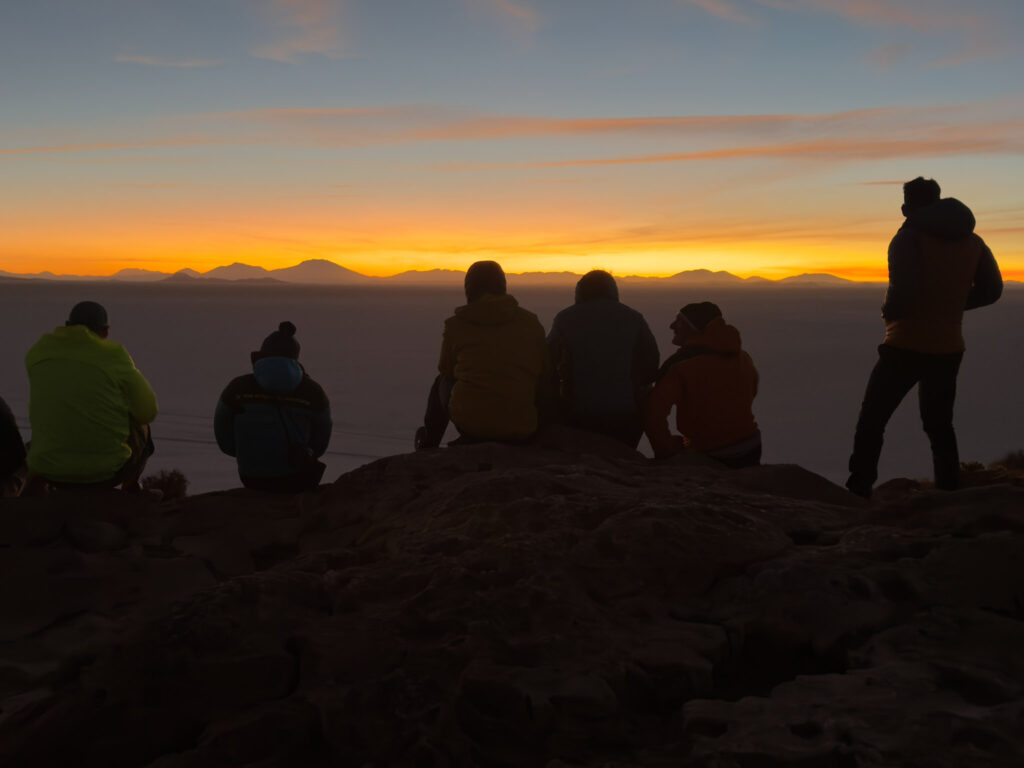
(89,407)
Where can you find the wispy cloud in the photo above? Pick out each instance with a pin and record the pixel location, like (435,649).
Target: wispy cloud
(723,9)
(105,146)
(155,61)
(304,27)
(987,140)
(886,57)
(519,13)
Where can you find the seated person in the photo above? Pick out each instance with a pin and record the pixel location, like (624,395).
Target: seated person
(493,366)
(89,407)
(276,421)
(12,453)
(605,358)
(712,383)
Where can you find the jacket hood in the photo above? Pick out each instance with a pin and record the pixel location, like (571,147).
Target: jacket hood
(948,219)
(717,337)
(489,310)
(278,374)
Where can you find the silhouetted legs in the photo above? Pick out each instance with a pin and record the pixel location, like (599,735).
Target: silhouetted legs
(435,420)
(894,375)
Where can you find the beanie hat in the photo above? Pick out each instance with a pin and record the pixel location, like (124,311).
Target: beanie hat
(90,314)
(281,343)
(484,277)
(700,314)
(596,284)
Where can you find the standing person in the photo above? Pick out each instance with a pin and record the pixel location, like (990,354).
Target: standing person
(712,383)
(12,452)
(938,268)
(89,407)
(276,421)
(493,366)
(605,358)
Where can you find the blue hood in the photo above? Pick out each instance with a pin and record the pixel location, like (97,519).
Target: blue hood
(278,374)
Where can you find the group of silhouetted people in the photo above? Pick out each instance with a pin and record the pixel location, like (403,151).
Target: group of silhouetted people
(501,378)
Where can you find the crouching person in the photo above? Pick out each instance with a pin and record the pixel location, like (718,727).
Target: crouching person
(89,408)
(712,383)
(276,421)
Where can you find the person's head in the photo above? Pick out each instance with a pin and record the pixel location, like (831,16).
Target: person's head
(692,320)
(92,315)
(281,343)
(919,192)
(484,277)
(596,284)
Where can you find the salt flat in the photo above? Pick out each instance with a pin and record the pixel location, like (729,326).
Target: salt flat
(374,349)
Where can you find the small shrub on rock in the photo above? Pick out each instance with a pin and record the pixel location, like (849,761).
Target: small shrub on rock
(172,483)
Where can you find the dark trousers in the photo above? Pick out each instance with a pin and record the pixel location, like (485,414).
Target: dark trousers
(435,420)
(894,375)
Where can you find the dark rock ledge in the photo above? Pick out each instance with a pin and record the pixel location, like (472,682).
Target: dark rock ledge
(490,606)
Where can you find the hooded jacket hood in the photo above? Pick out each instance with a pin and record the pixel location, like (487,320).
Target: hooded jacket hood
(278,374)
(946,219)
(717,337)
(489,310)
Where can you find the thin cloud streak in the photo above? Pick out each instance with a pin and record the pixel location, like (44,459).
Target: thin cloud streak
(833,149)
(107,146)
(154,61)
(513,10)
(721,9)
(313,27)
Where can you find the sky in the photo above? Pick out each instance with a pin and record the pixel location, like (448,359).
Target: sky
(647,137)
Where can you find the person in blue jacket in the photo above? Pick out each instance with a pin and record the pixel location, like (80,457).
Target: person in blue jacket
(276,421)
(605,359)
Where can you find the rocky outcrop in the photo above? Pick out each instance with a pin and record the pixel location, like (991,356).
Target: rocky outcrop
(497,606)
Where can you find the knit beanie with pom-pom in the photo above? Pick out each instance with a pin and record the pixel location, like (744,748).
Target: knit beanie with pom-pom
(281,343)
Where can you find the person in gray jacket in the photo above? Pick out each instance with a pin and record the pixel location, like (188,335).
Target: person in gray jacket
(605,358)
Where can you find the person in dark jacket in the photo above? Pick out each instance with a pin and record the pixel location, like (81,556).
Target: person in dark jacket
(276,421)
(12,452)
(604,357)
(938,268)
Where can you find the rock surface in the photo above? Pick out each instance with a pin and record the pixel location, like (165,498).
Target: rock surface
(496,606)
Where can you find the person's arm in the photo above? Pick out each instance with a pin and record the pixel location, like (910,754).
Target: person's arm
(901,274)
(559,363)
(645,357)
(659,404)
(446,363)
(12,448)
(320,425)
(224,426)
(988,281)
(139,396)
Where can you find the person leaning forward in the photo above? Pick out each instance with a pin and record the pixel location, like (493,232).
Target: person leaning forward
(712,383)
(493,368)
(938,268)
(89,407)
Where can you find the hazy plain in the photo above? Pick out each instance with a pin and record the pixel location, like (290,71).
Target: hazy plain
(374,349)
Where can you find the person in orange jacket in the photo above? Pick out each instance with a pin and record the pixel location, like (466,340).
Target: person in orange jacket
(712,383)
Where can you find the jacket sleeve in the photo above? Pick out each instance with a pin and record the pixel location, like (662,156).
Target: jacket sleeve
(559,363)
(139,395)
(12,449)
(645,356)
(988,282)
(901,269)
(659,404)
(320,428)
(224,427)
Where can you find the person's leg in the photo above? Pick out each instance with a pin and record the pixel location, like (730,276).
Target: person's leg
(435,420)
(893,376)
(936,395)
(141,443)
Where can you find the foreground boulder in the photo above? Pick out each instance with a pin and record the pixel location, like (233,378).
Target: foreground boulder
(492,606)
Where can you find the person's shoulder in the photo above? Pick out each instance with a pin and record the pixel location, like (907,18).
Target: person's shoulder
(311,388)
(239,385)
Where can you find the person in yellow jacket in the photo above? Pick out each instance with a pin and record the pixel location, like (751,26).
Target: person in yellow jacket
(712,383)
(493,366)
(89,407)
